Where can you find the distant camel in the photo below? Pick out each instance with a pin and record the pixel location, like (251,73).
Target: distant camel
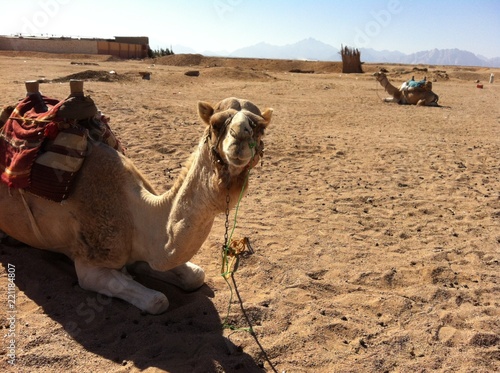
(408,94)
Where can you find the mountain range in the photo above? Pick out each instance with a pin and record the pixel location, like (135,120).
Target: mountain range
(312,49)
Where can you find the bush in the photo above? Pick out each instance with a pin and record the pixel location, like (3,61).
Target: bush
(159,52)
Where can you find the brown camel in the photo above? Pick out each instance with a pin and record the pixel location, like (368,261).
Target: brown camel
(114,219)
(408,95)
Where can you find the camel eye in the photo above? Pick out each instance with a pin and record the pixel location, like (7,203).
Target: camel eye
(220,124)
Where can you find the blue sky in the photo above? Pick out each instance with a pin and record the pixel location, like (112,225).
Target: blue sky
(226,25)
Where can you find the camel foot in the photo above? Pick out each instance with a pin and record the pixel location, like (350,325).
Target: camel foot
(118,284)
(187,276)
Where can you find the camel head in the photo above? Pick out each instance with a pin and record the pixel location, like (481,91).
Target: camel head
(379,76)
(236,128)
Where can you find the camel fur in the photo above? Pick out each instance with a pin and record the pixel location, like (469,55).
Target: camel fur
(114,219)
(407,95)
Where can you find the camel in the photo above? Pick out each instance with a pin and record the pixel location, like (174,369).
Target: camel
(114,220)
(406,94)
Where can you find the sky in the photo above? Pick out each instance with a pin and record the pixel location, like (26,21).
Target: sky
(227,25)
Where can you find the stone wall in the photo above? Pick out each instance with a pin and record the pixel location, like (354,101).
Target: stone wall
(59,45)
(122,47)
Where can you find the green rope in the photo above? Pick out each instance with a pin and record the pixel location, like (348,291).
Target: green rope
(227,271)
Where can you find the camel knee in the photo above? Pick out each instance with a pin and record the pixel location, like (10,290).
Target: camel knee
(187,276)
(190,275)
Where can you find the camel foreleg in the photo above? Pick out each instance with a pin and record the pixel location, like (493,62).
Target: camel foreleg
(187,276)
(118,284)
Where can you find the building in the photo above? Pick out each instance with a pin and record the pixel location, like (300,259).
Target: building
(121,46)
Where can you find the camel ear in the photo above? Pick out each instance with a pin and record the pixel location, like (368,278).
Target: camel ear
(205,111)
(267,114)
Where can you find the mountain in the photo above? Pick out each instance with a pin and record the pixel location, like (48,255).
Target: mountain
(307,49)
(431,57)
(312,49)
(445,57)
(372,55)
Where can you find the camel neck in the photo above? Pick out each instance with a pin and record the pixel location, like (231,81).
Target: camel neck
(185,214)
(190,208)
(389,88)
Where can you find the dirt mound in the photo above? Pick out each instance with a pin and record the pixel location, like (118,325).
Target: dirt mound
(482,75)
(180,60)
(94,76)
(250,63)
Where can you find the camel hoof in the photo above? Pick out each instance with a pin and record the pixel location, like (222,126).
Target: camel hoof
(157,305)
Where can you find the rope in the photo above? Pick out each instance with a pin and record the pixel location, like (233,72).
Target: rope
(228,270)
(30,120)
(252,333)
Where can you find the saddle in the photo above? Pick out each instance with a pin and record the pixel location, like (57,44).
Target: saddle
(421,85)
(43,142)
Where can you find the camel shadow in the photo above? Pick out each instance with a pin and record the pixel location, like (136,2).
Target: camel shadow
(187,338)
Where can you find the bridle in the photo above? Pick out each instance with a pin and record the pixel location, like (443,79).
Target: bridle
(214,148)
(257,144)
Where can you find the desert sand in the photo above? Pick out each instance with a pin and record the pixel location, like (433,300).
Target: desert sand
(375,227)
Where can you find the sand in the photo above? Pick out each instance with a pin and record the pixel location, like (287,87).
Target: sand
(375,227)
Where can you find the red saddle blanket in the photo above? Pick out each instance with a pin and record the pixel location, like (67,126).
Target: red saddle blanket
(41,151)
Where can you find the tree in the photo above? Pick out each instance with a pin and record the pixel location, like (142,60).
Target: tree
(159,52)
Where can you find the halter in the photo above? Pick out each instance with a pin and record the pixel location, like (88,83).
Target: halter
(214,148)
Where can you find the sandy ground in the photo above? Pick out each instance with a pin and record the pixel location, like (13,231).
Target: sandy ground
(375,227)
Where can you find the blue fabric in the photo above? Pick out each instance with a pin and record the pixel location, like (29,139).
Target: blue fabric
(414,84)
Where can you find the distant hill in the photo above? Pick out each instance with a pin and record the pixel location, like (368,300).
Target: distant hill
(431,57)
(372,55)
(312,49)
(445,57)
(308,49)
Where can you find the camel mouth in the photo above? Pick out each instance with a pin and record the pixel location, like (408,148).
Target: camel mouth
(238,162)
(239,158)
